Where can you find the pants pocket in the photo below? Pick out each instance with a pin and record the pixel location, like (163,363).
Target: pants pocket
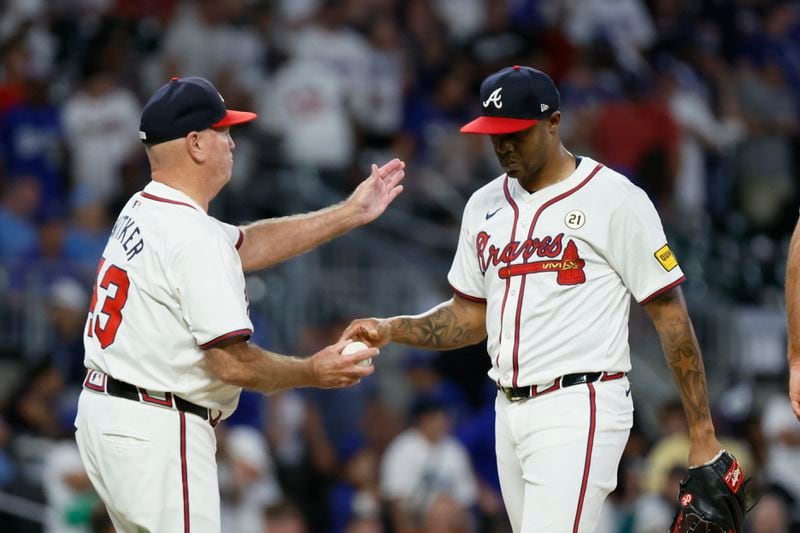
(121,439)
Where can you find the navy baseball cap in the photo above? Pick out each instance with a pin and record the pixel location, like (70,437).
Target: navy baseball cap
(514,99)
(184,105)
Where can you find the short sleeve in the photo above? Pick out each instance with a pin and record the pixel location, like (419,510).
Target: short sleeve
(465,276)
(638,249)
(209,282)
(234,234)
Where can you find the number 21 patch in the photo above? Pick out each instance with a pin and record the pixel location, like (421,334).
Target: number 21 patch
(666,258)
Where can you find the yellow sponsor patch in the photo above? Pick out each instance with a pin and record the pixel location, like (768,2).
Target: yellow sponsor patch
(666,258)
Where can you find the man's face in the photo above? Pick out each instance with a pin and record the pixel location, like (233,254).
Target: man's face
(222,147)
(523,153)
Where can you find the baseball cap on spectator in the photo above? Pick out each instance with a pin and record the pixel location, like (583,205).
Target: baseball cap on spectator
(514,99)
(184,105)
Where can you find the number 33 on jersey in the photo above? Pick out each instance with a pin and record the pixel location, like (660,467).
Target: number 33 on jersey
(170,284)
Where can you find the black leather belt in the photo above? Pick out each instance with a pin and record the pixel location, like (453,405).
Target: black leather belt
(567,380)
(100,382)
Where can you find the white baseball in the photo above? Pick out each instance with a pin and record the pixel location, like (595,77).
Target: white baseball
(357,346)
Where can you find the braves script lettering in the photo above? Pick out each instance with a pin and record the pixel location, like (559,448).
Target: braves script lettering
(545,247)
(569,266)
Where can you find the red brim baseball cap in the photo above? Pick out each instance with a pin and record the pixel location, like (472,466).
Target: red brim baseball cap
(233,118)
(514,99)
(184,105)
(497,125)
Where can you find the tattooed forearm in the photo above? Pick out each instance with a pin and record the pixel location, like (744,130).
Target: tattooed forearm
(445,327)
(682,352)
(683,356)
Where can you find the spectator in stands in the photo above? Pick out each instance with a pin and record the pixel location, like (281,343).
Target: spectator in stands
(379,108)
(207,39)
(87,233)
(33,406)
(32,139)
(247,478)
(477,436)
(673,448)
(653,511)
(425,475)
(47,262)
(307,107)
(67,304)
(356,497)
(20,203)
(425,379)
(305,459)
(772,514)
(15,58)
(702,132)
(765,163)
(101,128)
(284,517)
(68,491)
(782,434)
(639,137)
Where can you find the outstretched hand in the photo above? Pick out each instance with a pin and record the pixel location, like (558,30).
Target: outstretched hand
(371,331)
(374,194)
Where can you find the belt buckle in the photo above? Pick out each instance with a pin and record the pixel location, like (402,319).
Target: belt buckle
(508,393)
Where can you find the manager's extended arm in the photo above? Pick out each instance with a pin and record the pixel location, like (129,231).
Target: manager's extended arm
(270,241)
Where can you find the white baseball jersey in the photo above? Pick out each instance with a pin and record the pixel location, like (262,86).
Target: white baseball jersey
(556,269)
(170,284)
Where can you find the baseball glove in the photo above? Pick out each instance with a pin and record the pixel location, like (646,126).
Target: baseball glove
(712,498)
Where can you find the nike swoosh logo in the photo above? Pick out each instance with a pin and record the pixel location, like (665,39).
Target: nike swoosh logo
(493,213)
(628,391)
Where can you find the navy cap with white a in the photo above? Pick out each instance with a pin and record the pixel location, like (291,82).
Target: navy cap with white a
(514,99)
(184,105)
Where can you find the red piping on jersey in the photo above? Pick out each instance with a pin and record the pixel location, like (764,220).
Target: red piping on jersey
(513,204)
(467,296)
(165,200)
(230,335)
(184,474)
(241,239)
(522,283)
(588,461)
(663,290)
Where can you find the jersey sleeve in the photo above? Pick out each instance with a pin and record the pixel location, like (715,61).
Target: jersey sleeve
(465,276)
(638,249)
(209,282)
(234,234)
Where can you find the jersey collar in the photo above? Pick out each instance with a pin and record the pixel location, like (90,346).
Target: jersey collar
(160,192)
(519,193)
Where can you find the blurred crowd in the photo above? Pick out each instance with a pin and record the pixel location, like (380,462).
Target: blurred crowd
(698,102)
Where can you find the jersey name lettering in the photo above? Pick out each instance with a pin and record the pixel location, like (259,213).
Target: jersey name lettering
(569,267)
(545,247)
(128,234)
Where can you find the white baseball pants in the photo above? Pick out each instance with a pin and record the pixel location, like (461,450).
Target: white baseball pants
(558,454)
(154,468)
